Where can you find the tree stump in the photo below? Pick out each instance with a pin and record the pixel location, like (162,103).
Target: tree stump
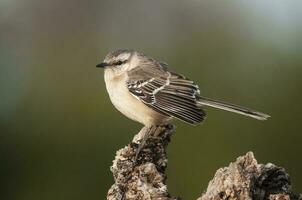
(142,176)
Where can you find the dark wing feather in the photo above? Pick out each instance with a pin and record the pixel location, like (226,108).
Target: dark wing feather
(166,92)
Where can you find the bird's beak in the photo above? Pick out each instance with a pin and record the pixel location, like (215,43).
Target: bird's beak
(102,65)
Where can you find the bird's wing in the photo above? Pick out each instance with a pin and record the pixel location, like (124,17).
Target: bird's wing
(165,91)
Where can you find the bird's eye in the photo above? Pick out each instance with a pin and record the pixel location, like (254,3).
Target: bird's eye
(119,62)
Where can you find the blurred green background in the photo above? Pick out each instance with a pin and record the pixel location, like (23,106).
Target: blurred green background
(59,131)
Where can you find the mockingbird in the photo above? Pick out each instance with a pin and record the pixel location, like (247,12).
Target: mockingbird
(145,90)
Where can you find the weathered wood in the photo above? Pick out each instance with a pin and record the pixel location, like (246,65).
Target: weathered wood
(246,179)
(143,177)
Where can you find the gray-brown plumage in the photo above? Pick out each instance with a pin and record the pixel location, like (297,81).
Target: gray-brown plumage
(145,90)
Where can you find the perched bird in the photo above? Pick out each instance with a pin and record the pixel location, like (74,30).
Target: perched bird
(147,91)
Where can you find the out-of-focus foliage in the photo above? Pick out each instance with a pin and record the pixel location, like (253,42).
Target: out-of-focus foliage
(59,131)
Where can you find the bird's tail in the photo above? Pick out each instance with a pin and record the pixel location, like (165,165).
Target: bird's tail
(232,108)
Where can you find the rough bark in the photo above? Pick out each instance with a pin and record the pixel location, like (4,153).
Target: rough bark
(142,176)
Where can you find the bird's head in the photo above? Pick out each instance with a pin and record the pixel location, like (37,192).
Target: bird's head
(118,61)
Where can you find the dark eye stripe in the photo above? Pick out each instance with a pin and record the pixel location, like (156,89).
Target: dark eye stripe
(120,62)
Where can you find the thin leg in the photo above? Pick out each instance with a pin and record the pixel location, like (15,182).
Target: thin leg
(144,139)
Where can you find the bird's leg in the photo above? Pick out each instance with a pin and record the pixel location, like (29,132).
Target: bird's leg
(144,138)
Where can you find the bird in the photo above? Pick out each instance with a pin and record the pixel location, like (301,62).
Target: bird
(147,91)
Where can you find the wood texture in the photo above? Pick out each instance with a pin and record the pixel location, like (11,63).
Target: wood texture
(144,178)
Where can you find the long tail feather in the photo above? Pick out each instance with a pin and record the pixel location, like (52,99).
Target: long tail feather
(232,108)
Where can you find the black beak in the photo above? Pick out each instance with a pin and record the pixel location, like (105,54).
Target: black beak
(102,65)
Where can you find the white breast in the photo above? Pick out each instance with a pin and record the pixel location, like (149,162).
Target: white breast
(127,104)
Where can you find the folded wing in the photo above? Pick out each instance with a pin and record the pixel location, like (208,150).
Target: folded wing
(166,92)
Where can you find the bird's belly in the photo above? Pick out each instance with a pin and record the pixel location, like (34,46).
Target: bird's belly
(131,107)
